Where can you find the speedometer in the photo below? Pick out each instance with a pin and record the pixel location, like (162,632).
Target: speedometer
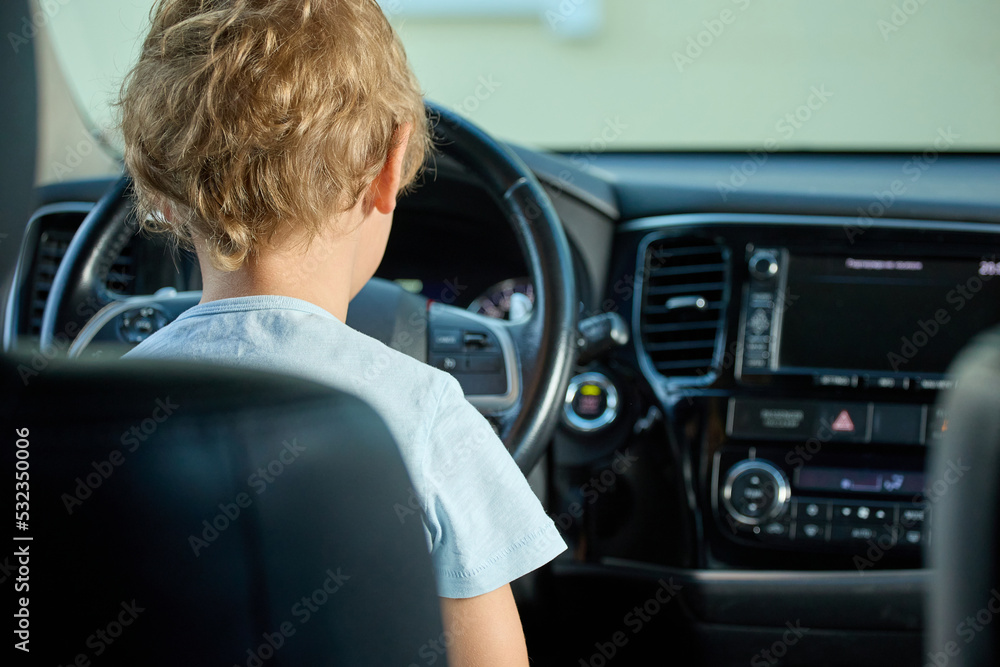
(508,300)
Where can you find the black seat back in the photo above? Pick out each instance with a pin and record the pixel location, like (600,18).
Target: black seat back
(189,516)
(963,484)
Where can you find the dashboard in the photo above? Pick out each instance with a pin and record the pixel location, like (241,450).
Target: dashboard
(760,441)
(790,342)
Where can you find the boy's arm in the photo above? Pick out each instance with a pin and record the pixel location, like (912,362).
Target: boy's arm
(484,631)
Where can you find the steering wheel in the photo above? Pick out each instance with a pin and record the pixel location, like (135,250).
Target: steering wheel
(516,372)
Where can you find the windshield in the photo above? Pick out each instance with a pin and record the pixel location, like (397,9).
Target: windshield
(626,75)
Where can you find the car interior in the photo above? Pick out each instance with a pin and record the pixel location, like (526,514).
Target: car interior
(756,387)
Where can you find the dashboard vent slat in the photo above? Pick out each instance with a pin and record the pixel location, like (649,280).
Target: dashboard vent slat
(683,288)
(679,326)
(681,342)
(682,345)
(675,366)
(679,270)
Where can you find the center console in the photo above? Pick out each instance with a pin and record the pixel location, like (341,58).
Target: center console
(790,477)
(805,431)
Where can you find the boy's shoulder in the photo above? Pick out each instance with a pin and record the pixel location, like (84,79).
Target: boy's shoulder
(289,336)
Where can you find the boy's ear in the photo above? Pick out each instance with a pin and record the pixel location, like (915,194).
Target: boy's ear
(386,186)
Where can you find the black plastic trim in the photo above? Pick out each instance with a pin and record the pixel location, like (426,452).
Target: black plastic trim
(884,600)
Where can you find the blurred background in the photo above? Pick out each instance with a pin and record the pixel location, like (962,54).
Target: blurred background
(592,76)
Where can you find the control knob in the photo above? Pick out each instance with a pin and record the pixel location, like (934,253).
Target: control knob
(764,265)
(755,491)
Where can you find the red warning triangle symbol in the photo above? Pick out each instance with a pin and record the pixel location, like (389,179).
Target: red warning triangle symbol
(843,423)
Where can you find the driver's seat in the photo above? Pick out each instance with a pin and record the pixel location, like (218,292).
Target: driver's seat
(183,515)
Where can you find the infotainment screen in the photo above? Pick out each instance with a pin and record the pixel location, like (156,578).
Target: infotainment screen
(884,314)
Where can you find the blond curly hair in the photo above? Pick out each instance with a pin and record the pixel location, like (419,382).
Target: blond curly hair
(245,117)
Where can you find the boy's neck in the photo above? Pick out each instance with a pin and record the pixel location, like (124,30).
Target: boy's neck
(322,273)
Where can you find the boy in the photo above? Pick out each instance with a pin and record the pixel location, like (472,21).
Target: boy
(273,137)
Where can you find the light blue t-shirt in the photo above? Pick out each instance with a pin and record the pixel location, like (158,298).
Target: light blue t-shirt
(483,524)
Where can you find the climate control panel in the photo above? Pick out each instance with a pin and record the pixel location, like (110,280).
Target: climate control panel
(768,503)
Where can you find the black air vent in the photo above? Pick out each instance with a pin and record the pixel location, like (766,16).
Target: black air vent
(684,295)
(55,231)
(52,244)
(121,277)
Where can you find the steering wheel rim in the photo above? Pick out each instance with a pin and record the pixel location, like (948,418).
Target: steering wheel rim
(78,289)
(545,343)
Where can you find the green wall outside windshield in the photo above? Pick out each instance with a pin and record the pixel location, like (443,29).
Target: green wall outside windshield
(665,74)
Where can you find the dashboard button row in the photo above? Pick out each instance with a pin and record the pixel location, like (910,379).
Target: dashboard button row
(842,524)
(858,522)
(830,421)
(884,382)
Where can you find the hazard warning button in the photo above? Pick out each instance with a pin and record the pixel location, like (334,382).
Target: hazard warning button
(844,422)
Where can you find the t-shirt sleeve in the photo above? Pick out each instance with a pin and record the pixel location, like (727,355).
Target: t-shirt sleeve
(486,526)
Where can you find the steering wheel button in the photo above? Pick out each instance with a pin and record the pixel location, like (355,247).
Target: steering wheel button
(138,324)
(448,362)
(446,340)
(474,340)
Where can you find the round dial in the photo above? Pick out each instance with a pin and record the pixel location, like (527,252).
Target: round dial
(755,491)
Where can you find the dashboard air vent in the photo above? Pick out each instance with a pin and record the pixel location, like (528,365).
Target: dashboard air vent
(52,244)
(55,229)
(121,277)
(684,296)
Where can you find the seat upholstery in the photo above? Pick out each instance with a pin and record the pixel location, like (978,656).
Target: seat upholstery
(182,515)
(963,481)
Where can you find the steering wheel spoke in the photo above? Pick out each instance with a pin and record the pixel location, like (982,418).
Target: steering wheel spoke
(479,352)
(130,321)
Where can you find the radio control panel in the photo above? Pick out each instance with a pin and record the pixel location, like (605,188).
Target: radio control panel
(763,501)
